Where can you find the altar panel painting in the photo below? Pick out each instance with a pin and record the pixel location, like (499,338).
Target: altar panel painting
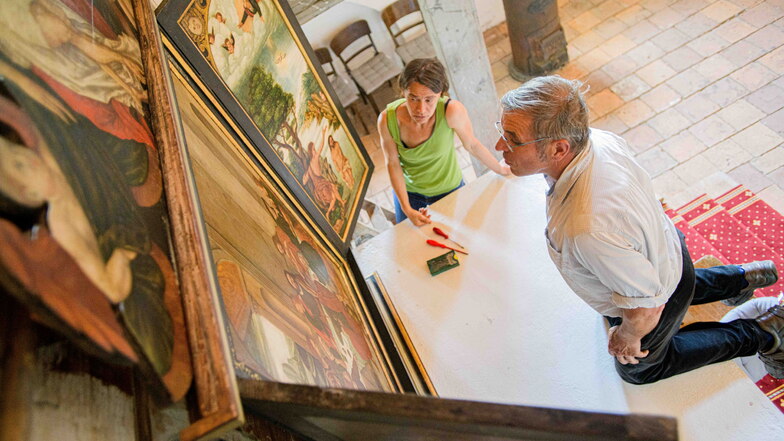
(264,79)
(292,313)
(84,239)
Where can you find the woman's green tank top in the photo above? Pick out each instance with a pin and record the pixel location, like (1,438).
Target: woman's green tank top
(431,168)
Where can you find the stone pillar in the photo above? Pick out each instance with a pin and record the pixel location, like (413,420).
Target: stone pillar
(453,25)
(538,41)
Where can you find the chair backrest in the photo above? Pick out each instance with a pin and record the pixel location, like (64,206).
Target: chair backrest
(325,57)
(395,12)
(349,35)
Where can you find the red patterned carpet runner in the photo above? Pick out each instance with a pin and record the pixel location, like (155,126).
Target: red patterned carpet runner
(737,227)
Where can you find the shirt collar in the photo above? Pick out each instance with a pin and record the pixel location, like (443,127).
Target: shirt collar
(560,188)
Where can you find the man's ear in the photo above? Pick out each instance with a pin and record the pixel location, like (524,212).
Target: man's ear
(561,149)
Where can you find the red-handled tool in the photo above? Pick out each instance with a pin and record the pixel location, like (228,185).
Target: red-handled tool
(441,233)
(436,243)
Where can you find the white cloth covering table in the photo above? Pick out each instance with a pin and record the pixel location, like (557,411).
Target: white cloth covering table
(504,327)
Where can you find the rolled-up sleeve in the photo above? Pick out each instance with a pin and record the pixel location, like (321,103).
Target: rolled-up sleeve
(626,272)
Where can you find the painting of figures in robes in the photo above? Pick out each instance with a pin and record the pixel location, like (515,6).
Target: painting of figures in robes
(292,308)
(84,234)
(250,57)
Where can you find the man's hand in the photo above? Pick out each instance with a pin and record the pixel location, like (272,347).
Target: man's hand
(420,217)
(624,347)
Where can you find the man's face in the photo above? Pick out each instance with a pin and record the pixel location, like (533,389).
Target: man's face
(421,102)
(522,160)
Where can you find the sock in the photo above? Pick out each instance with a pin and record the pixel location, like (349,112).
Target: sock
(744,283)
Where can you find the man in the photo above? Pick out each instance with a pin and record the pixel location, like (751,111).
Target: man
(617,249)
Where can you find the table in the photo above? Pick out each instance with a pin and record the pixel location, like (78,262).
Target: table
(504,327)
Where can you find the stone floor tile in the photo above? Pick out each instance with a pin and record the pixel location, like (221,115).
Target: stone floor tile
(587,41)
(611,123)
(775,122)
(505,85)
(573,71)
(617,45)
(595,58)
(774,60)
(670,39)
(655,5)
(753,76)
(688,82)
(725,91)
(751,178)
(696,25)
(721,10)
(667,185)
(604,102)
(634,112)
(683,146)
(714,67)
(768,99)
(500,68)
(645,53)
(642,137)
(666,18)
(708,44)
(762,14)
(572,52)
(712,130)
(689,7)
(633,15)
(499,50)
(585,21)
(682,58)
(656,72)
(714,184)
(758,139)
(669,122)
(776,176)
(656,161)
(598,80)
(641,31)
(661,97)
(768,38)
(742,53)
(740,114)
(695,169)
(769,161)
(774,196)
(610,27)
(608,8)
(619,67)
(735,29)
(630,87)
(697,107)
(727,155)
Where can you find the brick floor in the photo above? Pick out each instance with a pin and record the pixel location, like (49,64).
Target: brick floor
(695,86)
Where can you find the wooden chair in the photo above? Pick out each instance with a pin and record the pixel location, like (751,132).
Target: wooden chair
(347,92)
(369,68)
(407,26)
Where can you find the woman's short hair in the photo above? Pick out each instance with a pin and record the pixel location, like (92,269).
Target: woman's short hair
(556,107)
(428,72)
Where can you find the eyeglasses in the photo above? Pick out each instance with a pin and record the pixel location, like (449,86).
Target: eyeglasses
(511,146)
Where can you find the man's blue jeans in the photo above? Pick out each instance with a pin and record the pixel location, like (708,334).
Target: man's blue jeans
(674,350)
(418,201)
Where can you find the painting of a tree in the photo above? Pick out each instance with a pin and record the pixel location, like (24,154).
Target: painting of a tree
(317,107)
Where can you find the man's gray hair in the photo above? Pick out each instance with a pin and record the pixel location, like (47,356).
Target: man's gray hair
(556,107)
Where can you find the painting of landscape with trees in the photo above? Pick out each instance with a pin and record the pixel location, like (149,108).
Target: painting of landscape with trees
(270,88)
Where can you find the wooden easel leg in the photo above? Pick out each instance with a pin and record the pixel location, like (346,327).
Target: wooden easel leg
(15,383)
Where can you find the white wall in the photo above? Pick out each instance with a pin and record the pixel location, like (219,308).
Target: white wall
(491,13)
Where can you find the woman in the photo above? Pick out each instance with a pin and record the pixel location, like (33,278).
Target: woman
(417,137)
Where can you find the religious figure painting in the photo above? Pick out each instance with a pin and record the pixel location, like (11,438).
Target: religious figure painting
(292,308)
(84,234)
(251,57)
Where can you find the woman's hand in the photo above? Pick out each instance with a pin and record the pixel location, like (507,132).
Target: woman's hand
(418,217)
